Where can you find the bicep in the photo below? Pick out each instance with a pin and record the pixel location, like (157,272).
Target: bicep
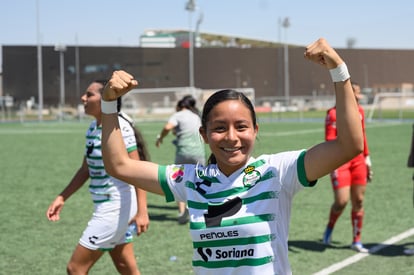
(322,159)
(141,174)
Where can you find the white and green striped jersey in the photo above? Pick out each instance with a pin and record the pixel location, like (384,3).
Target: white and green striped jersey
(239,224)
(102,186)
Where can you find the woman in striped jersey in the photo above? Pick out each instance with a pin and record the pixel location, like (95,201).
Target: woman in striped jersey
(116,203)
(239,205)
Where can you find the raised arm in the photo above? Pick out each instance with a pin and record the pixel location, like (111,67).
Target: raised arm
(327,156)
(141,174)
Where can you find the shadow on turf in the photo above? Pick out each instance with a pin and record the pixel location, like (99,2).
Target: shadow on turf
(307,245)
(168,215)
(393,250)
(163,207)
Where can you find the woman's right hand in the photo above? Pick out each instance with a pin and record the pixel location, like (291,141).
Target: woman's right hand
(53,212)
(322,53)
(120,83)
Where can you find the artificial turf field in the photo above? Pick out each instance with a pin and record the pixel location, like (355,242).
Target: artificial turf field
(38,160)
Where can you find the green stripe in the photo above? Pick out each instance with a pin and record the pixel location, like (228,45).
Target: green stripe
(235,263)
(302,172)
(94,157)
(101,201)
(100,186)
(266,176)
(99,177)
(237,221)
(96,167)
(162,178)
(226,193)
(237,241)
(96,127)
(261,196)
(132,148)
(93,137)
(257,163)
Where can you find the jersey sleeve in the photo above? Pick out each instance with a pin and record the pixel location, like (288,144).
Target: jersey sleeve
(291,170)
(173,180)
(174,119)
(128,135)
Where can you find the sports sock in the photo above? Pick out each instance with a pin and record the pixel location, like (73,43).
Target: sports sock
(357,218)
(333,216)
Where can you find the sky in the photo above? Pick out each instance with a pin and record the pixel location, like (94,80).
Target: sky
(372,24)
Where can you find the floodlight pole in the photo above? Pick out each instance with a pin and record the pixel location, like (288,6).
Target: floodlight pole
(77,68)
(39,67)
(190,7)
(61,49)
(285,25)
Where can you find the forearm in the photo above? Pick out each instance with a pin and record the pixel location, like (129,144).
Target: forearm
(113,147)
(74,185)
(164,133)
(141,201)
(348,122)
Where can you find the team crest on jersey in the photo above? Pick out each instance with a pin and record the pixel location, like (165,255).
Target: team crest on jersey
(251,176)
(177,173)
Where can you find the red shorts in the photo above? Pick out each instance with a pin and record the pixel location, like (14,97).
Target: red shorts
(352,172)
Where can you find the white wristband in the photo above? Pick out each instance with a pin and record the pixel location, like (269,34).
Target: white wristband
(340,73)
(109,107)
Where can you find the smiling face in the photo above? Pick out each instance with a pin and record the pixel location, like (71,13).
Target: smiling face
(91,100)
(230,133)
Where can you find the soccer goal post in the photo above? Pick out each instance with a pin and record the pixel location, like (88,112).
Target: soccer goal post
(401,101)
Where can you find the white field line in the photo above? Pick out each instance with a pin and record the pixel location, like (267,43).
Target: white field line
(351,260)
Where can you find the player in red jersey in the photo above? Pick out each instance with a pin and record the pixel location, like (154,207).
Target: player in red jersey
(349,181)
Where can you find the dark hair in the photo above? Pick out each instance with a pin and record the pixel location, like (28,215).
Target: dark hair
(102,82)
(189,103)
(221,96)
(141,144)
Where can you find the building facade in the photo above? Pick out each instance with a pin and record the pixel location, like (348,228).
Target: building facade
(260,68)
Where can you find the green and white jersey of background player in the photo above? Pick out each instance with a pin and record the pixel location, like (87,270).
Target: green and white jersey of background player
(115,202)
(239,224)
(102,186)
